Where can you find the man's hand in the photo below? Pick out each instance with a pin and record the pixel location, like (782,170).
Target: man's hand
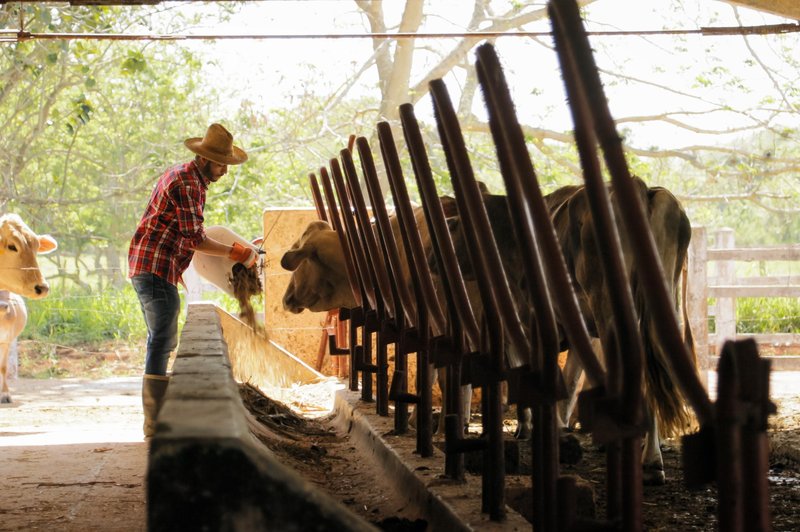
(245,255)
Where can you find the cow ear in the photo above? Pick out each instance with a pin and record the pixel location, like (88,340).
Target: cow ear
(449,206)
(47,244)
(291,259)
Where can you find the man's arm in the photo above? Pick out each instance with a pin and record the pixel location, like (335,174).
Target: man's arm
(209,246)
(246,254)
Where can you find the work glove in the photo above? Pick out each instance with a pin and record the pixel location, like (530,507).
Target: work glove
(243,254)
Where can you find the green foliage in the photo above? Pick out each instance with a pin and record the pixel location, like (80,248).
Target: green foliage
(80,316)
(767,315)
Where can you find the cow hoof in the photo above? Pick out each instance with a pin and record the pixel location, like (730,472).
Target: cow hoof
(653,475)
(570,451)
(5,399)
(523,433)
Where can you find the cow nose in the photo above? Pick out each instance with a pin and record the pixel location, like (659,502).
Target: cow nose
(41,289)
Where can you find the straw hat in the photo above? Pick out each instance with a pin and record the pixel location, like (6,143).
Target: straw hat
(217,146)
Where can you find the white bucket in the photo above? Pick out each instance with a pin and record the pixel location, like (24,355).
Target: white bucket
(218,270)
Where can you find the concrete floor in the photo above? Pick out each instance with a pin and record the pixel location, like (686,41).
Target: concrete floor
(73,456)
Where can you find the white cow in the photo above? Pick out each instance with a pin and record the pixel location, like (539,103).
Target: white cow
(19,276)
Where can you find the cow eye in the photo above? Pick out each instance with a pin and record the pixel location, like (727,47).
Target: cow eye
(12,247)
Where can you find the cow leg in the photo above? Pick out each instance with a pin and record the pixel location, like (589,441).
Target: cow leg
(439,376)
(466,399)
(652,462)
(573,373)
(434,376)
(524,423)
(5,396)
(466,402)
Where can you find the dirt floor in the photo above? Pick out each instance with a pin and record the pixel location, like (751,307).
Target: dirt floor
(73,455)
(74,458)
(331,462)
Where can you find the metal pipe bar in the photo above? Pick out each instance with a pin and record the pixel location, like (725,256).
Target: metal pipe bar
(357,252)
(16,35)
(730,504)
(383,324)
(315,193)
(415,252)
(363,359)
(495,295)
(455,291)
(754,395)
(633,218)
(430,320)
(405,311)
(405,306)
(462,326)
(526,195)
(624,350)
(354,315)
(483,253)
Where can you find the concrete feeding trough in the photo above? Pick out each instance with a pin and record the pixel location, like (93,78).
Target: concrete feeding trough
(205,470)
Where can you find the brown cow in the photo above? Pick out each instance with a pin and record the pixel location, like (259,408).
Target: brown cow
(21,276)
(319,276)
(569,209)
(319,281)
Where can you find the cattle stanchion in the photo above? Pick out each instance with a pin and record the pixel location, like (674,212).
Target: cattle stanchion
(388,324)
(404,311)
(363,359)
(622,346)
(731,446)
(464,336)
(534,230)
(587,96)
(742,448)
(355,315)
(319,205)
(333,329)
(633,217)
(430,320)
(502,321)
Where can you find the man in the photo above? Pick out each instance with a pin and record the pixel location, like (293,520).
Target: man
(169,233)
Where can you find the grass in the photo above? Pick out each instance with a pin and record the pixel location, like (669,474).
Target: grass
(767,315)
(764,315)
(83,316)
(84,332)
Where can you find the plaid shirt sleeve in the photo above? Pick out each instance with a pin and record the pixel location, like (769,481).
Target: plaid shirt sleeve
(189,202)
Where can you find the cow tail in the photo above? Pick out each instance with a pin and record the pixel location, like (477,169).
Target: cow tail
(663,396)
(688,335)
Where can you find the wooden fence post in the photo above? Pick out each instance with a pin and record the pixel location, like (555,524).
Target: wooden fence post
(725,316)
(697,298)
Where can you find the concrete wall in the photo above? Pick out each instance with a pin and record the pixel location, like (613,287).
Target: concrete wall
(298,333)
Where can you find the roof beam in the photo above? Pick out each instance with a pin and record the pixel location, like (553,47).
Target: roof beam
(784,8)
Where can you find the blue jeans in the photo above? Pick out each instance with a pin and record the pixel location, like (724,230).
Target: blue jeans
(161,305)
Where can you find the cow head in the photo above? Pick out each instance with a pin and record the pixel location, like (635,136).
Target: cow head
(19,268)
(319,276)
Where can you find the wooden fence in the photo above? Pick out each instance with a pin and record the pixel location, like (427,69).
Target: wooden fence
(723,285)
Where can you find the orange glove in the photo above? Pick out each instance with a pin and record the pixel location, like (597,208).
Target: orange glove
(243,254)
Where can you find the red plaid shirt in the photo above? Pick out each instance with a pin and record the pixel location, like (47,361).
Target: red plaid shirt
(172,225)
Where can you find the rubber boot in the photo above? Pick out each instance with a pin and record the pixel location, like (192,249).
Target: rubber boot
(153,389)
